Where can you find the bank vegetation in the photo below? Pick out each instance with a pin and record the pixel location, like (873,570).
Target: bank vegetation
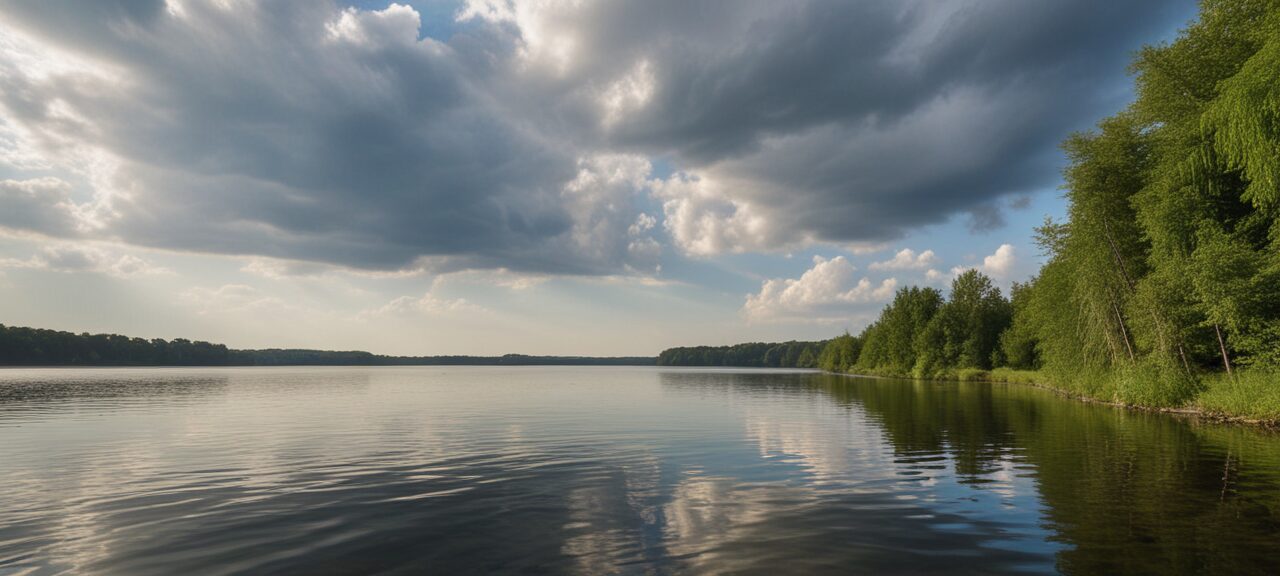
(1162,286)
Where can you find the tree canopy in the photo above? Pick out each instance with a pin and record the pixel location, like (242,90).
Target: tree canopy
(790,354)
(1167,266)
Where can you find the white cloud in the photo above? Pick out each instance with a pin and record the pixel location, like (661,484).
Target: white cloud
(231,298)
(825,292)
(907,259)
(865,248)
(128,265)
(428,304)
(500,277)
(71,259)
(277,269)
(395,24)
(607,227)
(704,220)
(628,94)
(644,223)
(1001,262)
(997,265)
(548,41)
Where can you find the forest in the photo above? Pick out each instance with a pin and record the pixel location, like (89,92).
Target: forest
(1161,287)
(791,354)
(21,346)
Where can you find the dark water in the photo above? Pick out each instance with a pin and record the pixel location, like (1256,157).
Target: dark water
(611,470)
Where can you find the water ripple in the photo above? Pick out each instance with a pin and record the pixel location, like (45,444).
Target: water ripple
(610,471)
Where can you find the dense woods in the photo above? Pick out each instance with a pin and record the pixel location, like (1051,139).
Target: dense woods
(922,334)
(749,355)
(38,347)
(34,346)
(21,346)
(1163,283)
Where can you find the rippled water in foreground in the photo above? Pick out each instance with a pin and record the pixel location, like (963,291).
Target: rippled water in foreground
(611,470)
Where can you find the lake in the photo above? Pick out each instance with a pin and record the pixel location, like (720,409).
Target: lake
(593,470)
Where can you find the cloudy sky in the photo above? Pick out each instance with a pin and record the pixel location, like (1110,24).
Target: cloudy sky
(547,177)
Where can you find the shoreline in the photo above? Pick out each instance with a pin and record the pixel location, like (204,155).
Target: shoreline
(1195,413)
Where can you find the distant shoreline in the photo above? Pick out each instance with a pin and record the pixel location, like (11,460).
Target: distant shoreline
(270,361)
(38,347)
(24,347)
(591,361)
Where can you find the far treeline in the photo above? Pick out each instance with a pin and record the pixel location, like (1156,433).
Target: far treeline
(38,347)
(750,355)
(1162,287)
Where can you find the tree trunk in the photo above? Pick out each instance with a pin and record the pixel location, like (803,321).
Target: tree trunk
(1100,323)
(1123,332)
(1222,346)
(1115,251)
(1124,272)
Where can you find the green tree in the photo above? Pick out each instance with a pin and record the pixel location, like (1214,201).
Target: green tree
(840,354)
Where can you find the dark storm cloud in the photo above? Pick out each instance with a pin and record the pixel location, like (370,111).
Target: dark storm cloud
(304,131)
(858,121)
(291,129)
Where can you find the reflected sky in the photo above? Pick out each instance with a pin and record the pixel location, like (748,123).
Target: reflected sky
(611,470)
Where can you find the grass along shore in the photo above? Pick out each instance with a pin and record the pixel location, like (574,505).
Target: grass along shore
(1245,396)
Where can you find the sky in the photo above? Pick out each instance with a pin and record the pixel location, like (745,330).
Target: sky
(587,177)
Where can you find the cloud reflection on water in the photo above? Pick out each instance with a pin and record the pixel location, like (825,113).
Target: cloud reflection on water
(578,470)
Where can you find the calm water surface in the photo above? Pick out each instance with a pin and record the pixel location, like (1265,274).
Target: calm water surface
(611,470)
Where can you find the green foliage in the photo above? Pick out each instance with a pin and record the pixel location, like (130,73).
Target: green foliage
(1244,118)
(1236,288)
(1208,102)
(840,354)
(1019,342)
(972,375)
(923,335)
(976,314)
(1168,265)
(791,354)
(1159,383)
(1014,376)
(1249,393)
(1162,287)
(1102,252)
(890,344)
(38,347)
